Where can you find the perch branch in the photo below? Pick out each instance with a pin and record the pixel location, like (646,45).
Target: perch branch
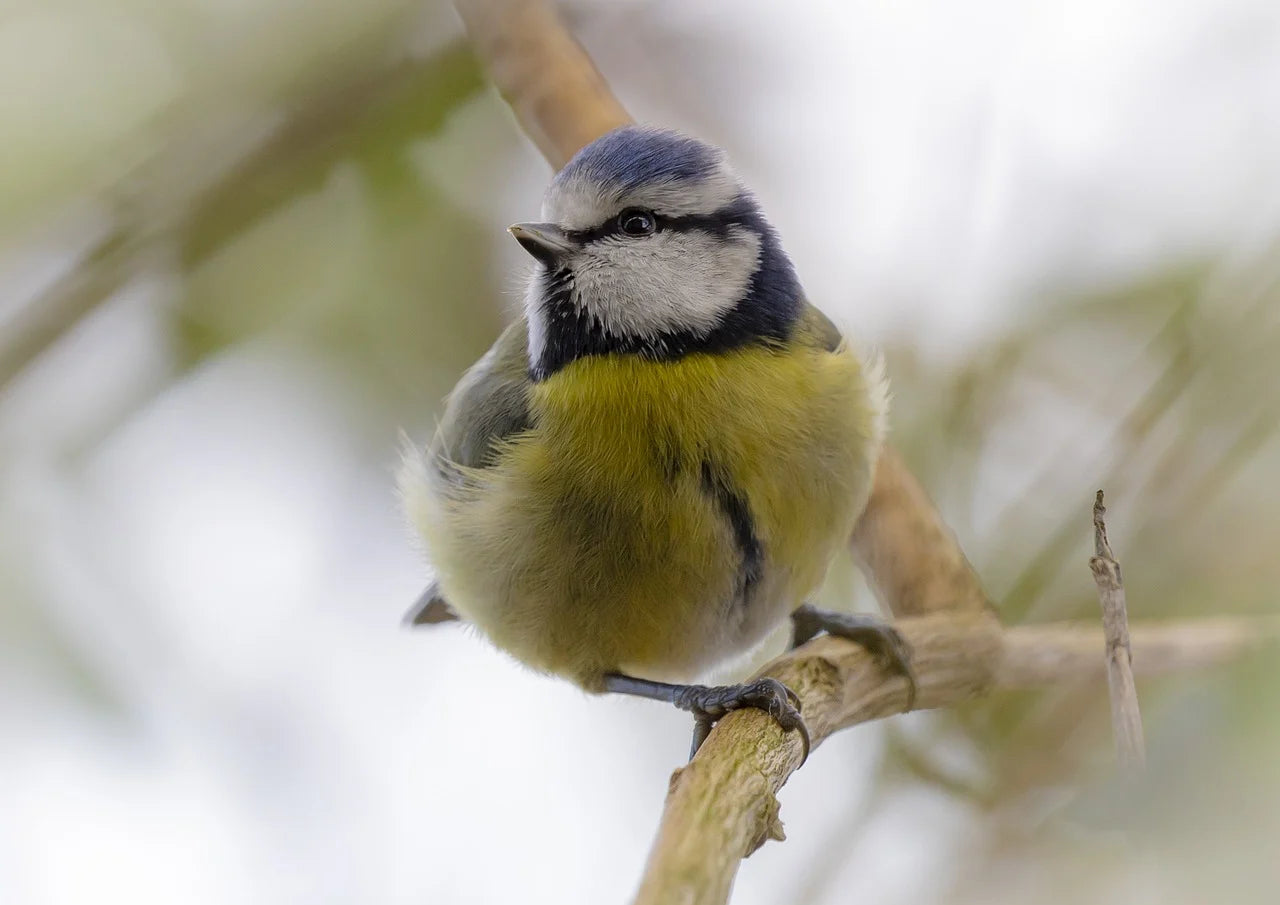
(1126,718)
(721,806)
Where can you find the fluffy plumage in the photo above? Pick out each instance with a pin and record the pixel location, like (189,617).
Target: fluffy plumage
(657,464)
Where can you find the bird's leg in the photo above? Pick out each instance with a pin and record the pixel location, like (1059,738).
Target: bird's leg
(871,632)
(708,703)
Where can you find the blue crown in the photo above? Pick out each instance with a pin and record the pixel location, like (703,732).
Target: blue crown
(634,156)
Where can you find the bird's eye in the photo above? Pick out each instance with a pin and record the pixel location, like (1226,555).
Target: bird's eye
(635,222)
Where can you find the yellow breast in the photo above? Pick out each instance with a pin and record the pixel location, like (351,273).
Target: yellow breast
(790,429)
(602,541)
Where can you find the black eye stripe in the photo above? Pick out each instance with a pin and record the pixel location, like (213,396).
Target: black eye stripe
(740,212)
(610,229)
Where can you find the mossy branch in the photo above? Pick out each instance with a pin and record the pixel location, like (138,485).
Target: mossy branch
(722,806)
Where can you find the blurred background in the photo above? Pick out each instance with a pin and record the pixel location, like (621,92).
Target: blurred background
(244,244)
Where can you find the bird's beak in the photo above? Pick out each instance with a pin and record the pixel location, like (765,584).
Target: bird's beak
(545,241)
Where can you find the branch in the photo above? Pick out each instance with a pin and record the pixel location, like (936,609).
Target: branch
(910,556)
(721,806)
(542,72)
(1126,718)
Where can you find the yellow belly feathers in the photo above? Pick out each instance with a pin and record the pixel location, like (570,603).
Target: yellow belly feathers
(595,544)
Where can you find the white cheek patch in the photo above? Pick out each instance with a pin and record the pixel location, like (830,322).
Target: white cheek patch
(668,282)
(580,205)
(534,297)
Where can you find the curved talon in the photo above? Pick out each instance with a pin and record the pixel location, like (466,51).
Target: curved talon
(890,649)
(897,658)
(701,729)
(805,742)
(880,639)
(792,698)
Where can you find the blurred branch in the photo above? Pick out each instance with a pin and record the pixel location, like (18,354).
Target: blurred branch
(38,325)
(1126,718)
(195,197)
(1133,428)
(920,760)
(404,101)
(908,552)
(553,87)
(721,806)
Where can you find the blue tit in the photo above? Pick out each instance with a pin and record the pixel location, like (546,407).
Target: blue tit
(656,464)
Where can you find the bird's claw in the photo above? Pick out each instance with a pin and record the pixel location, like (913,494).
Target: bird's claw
(879,638)
(709,703)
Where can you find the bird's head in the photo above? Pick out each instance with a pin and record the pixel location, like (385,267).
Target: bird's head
(652,246)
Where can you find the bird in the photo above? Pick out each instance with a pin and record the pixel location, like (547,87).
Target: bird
(655,464)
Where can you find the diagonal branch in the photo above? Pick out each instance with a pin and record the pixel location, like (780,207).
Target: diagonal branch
(560,98)
(909,554)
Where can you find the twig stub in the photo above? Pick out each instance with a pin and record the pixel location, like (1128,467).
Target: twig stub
(1126,718)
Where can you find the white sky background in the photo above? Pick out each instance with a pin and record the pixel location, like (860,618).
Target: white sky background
(931,166)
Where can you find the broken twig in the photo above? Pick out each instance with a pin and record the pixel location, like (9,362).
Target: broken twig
(1126,719)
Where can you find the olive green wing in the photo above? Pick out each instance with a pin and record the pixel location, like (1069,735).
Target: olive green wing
(819,328)
(489,405)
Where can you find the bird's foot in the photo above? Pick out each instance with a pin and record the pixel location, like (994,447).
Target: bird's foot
(879,638)
(708,703)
